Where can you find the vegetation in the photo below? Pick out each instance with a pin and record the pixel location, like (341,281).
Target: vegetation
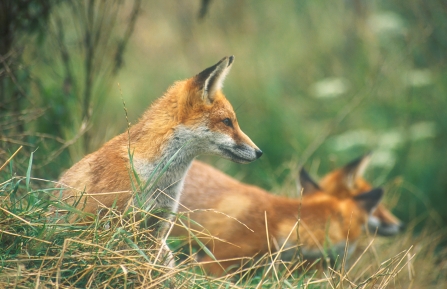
(115,251)
(315,83)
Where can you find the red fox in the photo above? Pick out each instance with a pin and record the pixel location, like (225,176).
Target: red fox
(239,215)
(193,117)
(347,182)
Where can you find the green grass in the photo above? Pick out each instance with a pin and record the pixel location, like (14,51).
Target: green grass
(115,251)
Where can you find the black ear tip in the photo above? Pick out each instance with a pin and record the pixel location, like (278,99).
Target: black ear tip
(402,226)
(230,60)
(307,181)
(375,194)
(380,192)
(354,164)
(303,173)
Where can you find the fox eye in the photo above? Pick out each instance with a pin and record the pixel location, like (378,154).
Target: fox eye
(228,122)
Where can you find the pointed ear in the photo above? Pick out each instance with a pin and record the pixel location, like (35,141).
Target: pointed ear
(307,184)
(370,200)
(211,79)
(356,169)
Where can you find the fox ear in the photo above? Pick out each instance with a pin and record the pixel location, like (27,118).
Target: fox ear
(308,185)
(356,169)
(370,200)
(211,79)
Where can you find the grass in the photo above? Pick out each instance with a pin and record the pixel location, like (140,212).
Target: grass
(115,251)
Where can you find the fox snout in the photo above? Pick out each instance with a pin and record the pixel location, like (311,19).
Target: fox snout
(239,147)
(384,229)
(245,151)
(241,153)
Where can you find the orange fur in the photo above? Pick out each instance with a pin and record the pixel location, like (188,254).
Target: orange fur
(348,181)
(225,208)
(187,119)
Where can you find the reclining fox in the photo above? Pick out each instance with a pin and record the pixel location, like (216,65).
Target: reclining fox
(233,218)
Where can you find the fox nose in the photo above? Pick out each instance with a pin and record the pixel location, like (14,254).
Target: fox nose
(258,153)
(402,226)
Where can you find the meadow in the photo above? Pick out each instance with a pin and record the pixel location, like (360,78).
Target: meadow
(314,84)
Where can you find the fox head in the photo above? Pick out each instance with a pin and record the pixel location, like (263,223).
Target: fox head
(348,182)
(367,201)
(209,117)
(329,221)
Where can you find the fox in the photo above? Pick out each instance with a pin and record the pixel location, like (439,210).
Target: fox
(193,117)
(236,220)
(348,181)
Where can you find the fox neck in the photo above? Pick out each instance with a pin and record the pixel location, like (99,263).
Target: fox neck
(163,149)
(165,174)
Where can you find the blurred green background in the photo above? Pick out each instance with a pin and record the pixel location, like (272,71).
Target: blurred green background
(315,83)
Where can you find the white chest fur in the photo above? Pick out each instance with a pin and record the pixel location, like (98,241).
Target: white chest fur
(161,181)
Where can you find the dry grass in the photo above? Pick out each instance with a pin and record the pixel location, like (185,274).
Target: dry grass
(115,251)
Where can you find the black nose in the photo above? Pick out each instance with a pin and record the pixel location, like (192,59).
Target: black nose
(402,226)
(258,154)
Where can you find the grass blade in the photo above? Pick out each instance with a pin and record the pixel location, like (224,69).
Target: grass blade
(200,243)
(134,246)
(28,172)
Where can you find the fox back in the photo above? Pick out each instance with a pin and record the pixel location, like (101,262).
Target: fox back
(193,117)
(348,181)
(232,218)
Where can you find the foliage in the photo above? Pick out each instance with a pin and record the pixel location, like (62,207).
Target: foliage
(52,83)
(19,21)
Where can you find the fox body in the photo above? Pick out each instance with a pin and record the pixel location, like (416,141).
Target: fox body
(348,182)
(193,117)
(238,220)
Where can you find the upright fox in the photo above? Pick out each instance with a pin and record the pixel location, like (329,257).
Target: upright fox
(193,117)
(233,219)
